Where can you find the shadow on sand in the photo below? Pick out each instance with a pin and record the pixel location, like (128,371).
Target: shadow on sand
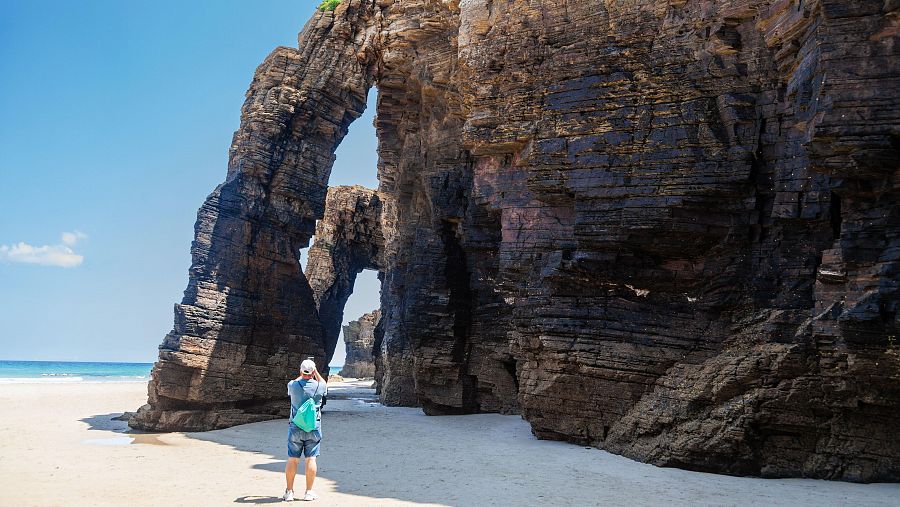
(107,422)
(372,454)
(118,423)
(345,456)
(258,500)
(351,458)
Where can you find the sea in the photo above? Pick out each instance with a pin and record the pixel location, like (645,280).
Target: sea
(31,372)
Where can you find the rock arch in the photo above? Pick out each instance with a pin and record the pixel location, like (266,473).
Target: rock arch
(646,226)
(348,240)
(248,316)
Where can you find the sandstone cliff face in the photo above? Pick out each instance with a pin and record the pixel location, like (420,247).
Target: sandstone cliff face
(359,337)
(668,229)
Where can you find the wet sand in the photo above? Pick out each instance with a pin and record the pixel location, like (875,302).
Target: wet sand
(60,446)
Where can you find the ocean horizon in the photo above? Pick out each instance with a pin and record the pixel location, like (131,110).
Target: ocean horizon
(28,372)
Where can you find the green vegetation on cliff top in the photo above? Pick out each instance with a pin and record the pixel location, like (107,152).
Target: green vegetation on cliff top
(329,5)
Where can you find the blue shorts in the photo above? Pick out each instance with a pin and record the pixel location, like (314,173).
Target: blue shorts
(303,444)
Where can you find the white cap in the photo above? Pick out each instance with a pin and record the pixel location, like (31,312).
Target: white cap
(307,366)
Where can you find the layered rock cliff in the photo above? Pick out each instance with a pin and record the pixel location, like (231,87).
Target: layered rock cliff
(359,338)
(668,229)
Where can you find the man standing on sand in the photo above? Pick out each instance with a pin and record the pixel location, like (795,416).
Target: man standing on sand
(304,444)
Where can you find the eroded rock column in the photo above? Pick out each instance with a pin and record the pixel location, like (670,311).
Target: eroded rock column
(359,337)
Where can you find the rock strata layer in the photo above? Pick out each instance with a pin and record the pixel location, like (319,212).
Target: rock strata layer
(359,338)
(667,228)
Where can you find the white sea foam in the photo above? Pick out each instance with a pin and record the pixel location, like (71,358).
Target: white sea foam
(39,380)
(69,380)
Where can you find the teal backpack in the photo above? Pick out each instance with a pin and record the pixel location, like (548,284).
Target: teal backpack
(305,418)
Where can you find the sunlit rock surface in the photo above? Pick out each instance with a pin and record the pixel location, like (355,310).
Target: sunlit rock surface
(359,337)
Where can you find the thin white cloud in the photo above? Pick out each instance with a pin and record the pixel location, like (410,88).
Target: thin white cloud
(70,238)
(60,255)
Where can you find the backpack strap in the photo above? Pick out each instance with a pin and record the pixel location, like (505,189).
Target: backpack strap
(318,405)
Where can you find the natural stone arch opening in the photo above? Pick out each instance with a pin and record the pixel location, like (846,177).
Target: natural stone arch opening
(249,317)
(355,166)
(348,241)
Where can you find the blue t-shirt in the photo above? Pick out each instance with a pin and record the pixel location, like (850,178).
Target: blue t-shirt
(301,390)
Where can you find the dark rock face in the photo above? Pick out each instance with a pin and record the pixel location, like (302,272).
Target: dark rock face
(359,337)
(641,226)
(685,282)
(668,229)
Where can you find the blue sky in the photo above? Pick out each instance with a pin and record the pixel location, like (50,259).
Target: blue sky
(117,117)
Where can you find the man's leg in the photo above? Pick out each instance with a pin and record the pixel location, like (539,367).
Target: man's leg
(311,469)
(290,470)
(310,451)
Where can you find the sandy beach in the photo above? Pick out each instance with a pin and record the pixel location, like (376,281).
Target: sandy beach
(60,446)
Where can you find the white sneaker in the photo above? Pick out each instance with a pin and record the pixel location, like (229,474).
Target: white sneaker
(288,496)
(310,496)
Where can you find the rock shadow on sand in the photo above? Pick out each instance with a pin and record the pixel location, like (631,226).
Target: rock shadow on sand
(117,422)
(373,454)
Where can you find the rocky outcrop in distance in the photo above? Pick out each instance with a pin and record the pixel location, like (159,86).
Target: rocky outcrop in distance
(668,229)
(359,339)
